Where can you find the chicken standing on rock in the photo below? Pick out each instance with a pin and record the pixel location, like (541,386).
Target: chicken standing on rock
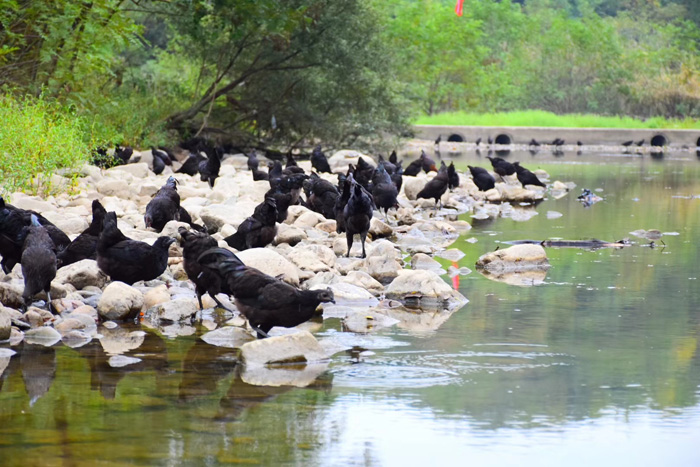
(264,300)
(258,230)
(209,168)
(436,187)
(127,260)
(286,192)
(253,161)
(526,177)
(321,196)
(164,207)
(483,180)
(193,245)
(363,173)
(452,176)
(424,163)
(384,191)
(38,262)
(84,246)
(292,167)
(191,165)
(357,214)
(501,166)
(12,220)
(319,161)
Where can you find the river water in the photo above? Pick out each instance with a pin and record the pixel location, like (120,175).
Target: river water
(597,363)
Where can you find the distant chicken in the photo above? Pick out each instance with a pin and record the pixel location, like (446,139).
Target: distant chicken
(363,172)
(164,207)
(319,161)
(436,187)
(483,180)
(501,166)
(38,261)
(209,168)
(127,260)
(84,246)
(286,193)
(191,165)
(253,161)
(264,300)
(258,230)
(292,167)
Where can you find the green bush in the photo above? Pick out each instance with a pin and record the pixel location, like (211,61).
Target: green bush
(37,138)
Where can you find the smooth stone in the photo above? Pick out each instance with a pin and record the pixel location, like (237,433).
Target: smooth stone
(232,337)
(514,258)
(5,325)
(33,317)
(379,228)
(156,296)
(328,226)
(44,335)
(119,301)
(413,185)
(308,220)
(289,234)
(177,310)
(16,336)
(423,261)
(340,160)
(69,324)
(300,347)
(383,268)
(366,321)
(411,284)
(81,274)
(271,263)
(75,339)
(344,292)
(363,280)
(138,170)
(11,295)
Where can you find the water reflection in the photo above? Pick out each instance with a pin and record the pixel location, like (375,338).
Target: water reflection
(38,366)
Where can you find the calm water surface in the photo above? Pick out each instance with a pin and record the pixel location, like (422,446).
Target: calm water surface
(597,365)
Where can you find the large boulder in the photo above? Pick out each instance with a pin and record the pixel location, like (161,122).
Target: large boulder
(119,301)
(270,262)
(82,274)
(425,286)
(300,347)
(516,258)
(413,185)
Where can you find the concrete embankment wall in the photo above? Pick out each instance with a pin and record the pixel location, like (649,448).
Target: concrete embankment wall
(588,136)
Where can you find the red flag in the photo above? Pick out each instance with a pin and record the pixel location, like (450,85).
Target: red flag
(458,7)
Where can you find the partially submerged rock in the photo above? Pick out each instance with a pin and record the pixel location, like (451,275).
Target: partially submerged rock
(300,347)
(176,310)
(526,278)
(515,258)
(5,325)
(426,287)
(232,337)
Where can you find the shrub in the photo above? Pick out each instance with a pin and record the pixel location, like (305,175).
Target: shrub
(37,138)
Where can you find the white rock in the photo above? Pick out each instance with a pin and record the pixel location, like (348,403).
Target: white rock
(5,325)
(379,228)
(382,268)
(423,261)
(340,160)
(270,262)
(289,234)
(515,258)
(82,274)
(138,170)
(119,301)
(43,335)
(345,292)
(177,310)
(411,284)
(366,321)
(156,296)
(308,220)
(11,295)
(231,337)
(216,216)
(413,185)
(363,280)
(115,187)
(33,204)
(297,348)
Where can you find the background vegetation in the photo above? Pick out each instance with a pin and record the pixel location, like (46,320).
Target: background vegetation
(263,72)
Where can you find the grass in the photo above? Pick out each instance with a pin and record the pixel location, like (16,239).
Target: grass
(541,118)
(37,138)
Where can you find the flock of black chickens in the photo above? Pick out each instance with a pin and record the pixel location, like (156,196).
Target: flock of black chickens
(41,248)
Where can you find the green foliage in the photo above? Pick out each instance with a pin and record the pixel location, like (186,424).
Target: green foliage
(549,119)
(37,137)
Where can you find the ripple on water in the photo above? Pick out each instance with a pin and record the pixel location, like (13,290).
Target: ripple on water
(387,376)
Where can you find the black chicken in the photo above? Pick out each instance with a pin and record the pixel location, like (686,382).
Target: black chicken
(193,245)
(501,166)
(384,191)
(452,176)
(258,230)
(436,187)
(483,180)
(253,161)
(264,300)
(357,214)
(129,261)
(274,173)
(164,207)
(397,176)
(526,177)
(321,196)
(191,165)
(363,172)
(393,158)
(209,168)
(12,220)
(319,161)
(85,245)
(292,167)
(38,261)
(341,202)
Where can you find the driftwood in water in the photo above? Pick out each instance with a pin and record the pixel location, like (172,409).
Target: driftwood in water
(592,244)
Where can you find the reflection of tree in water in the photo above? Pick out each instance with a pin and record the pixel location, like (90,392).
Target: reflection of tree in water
(38,365)
(152,352)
